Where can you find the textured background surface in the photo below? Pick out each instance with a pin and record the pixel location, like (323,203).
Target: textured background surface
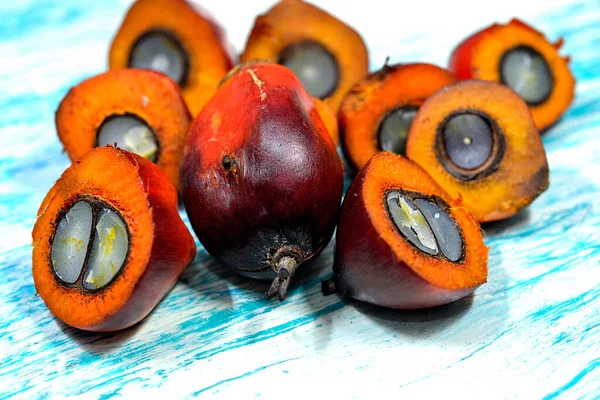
(533,331)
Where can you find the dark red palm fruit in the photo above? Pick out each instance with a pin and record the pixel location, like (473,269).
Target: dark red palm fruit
(376,262)
(159,245)
(261,179)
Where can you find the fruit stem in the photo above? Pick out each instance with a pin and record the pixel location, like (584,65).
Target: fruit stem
(329,286)
(286,268)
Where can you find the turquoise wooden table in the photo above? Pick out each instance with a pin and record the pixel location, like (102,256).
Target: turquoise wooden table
(533,331)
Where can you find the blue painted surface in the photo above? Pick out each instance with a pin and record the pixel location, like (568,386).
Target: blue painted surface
(533,330)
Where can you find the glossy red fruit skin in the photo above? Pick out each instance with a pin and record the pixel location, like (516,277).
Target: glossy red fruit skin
(366,269)
(460,59)
(260,175)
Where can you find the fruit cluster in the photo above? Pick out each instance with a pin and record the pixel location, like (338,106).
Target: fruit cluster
(252,151)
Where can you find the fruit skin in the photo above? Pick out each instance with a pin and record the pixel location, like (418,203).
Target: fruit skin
(366,266)
(261,178)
